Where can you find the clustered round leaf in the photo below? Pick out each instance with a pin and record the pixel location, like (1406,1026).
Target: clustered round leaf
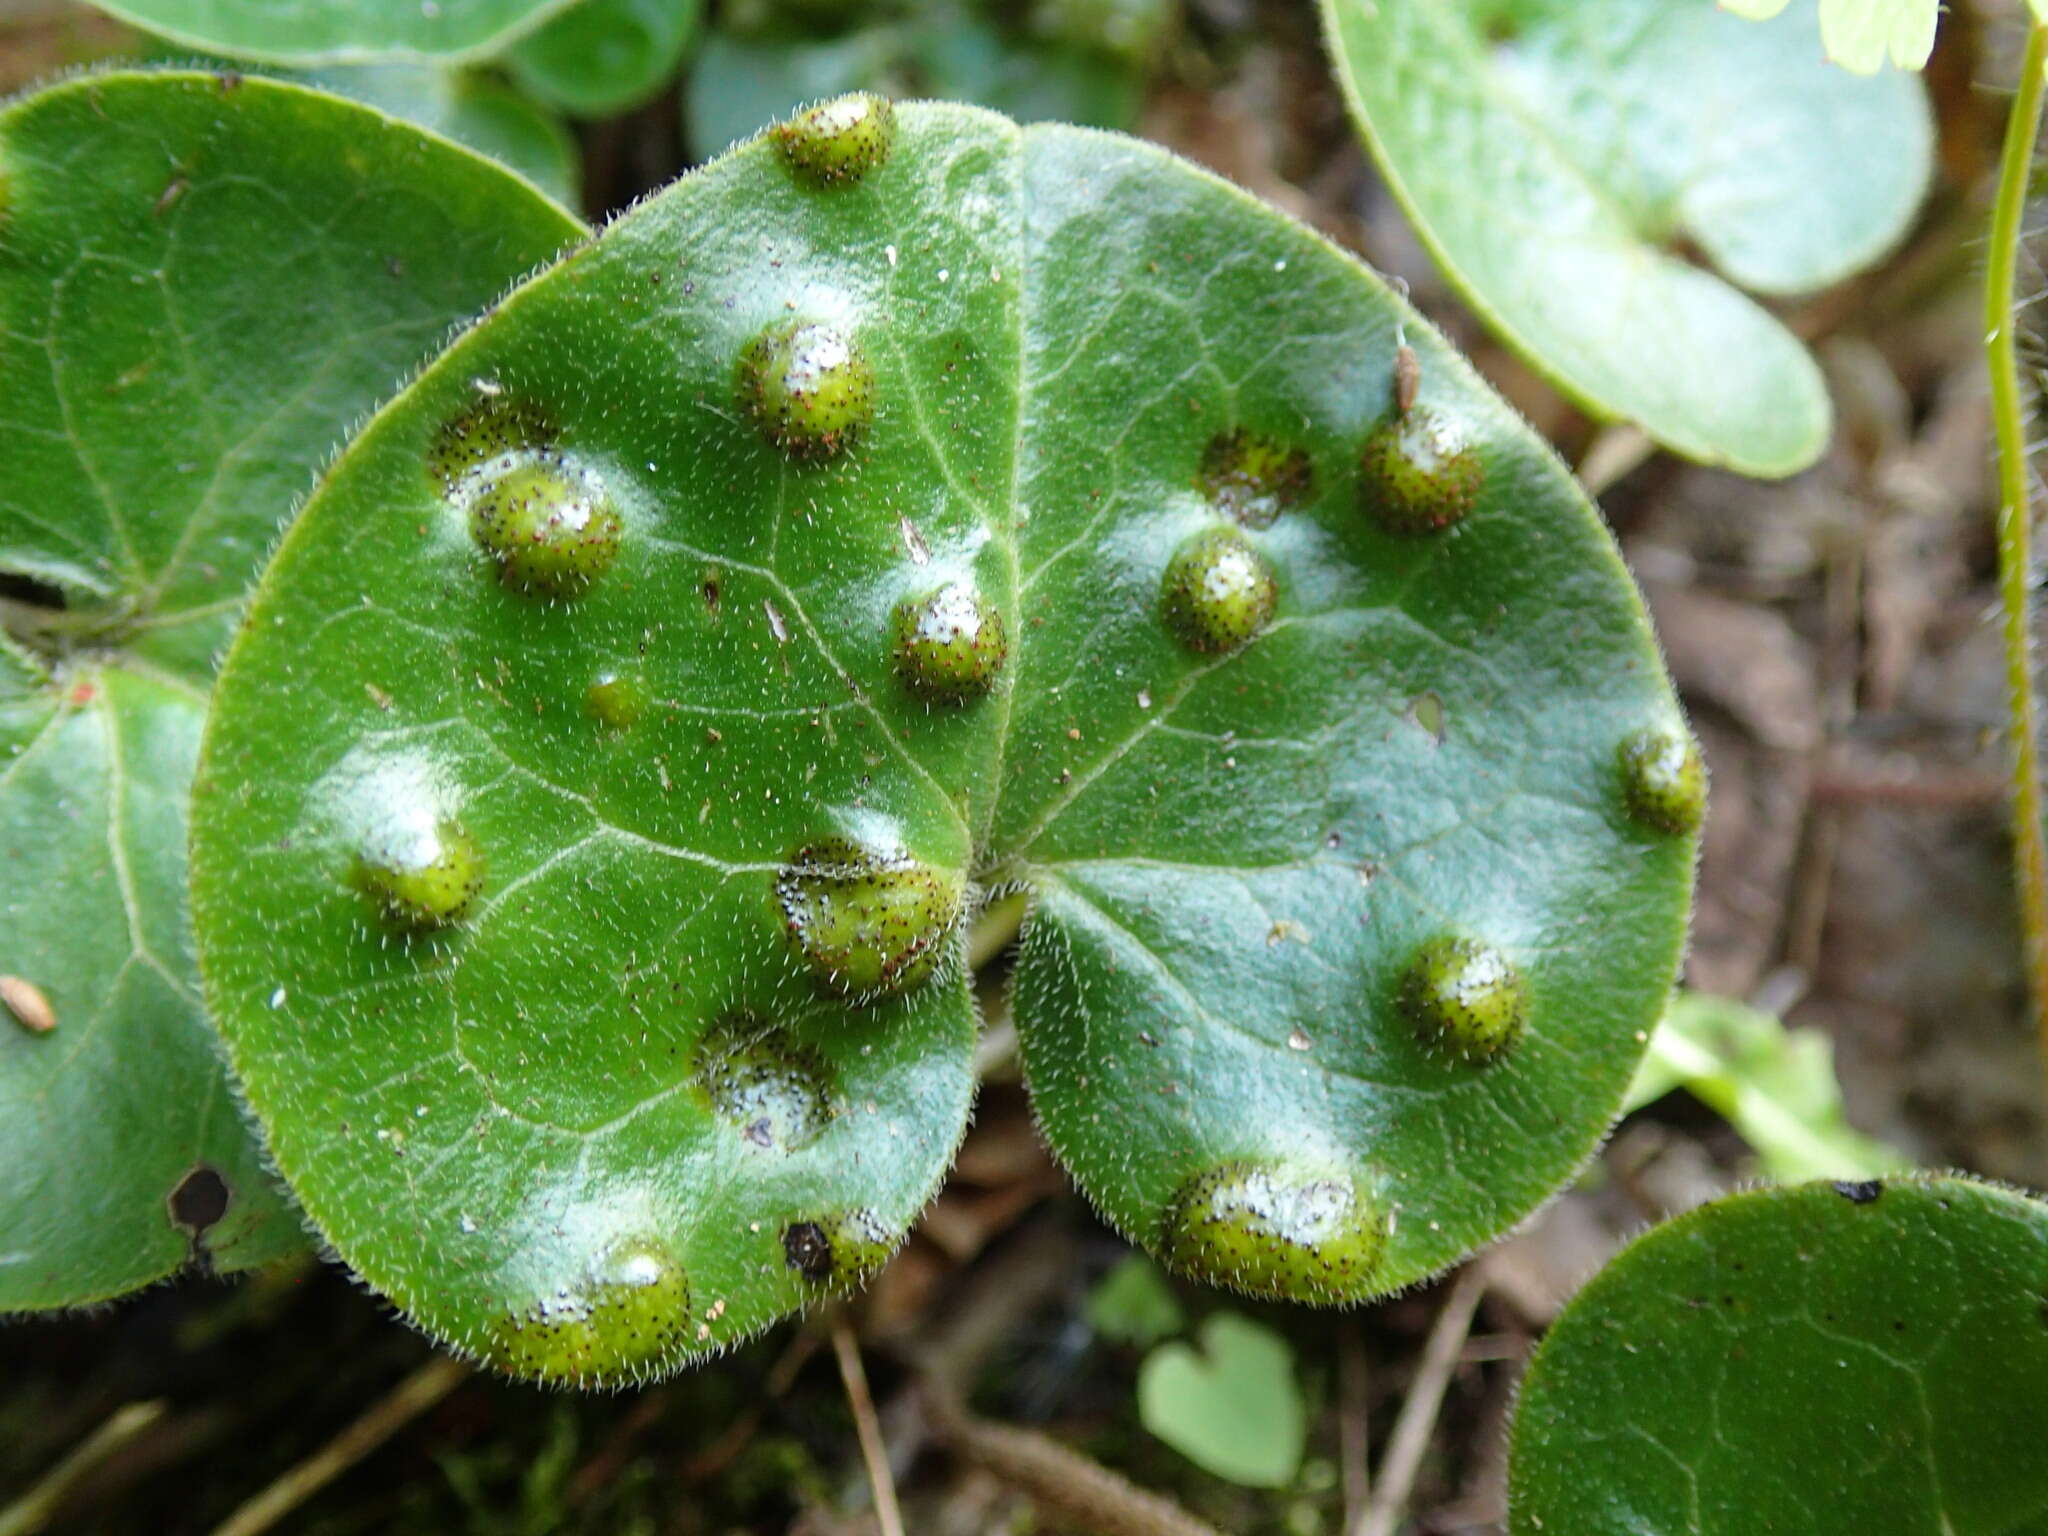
(1021,630)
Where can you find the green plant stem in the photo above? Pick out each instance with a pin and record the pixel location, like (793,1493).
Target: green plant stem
(2015,526)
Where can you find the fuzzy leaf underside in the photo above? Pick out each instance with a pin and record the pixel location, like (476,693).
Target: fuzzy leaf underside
(1558,157)
(1234,855)
(204,285)
(1827,1358)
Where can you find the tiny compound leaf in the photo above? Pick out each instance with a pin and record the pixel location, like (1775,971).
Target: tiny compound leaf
(1835,1359)
(984,508)
(338,31)
(1561,157)
(205,281)
(1234,1408)
(603,57)
(1773,1084)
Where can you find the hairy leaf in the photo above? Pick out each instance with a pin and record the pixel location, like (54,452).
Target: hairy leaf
(205,281)
(1565,161)
(1833,1358)
(905,508)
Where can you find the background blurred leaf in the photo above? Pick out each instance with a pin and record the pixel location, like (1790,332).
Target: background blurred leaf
(1562,159)
(1233,1408)
(1773,1084)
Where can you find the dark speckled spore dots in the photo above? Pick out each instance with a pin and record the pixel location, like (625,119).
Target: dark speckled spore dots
(869,923)
(1466,1000)
(1663,781)
(839,1251)
(1420,473)
(550,526)
(1252,478)
(626,1320)
(949,645)
(1277,1230)
(808,387)
(770,1088)
(423,877)
(838,142)
(1218,592)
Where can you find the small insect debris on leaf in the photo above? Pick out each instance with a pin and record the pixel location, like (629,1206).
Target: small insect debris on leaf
(29,1005)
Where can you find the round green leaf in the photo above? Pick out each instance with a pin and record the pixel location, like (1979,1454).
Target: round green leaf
(205,282)
(1560,157)
(339,31)
(1832,1358)
(859,365)
(605,56)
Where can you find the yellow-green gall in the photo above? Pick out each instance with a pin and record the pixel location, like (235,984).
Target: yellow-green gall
(1663,781)
(869,924)
(616,699)
(1218,592)
(774,1090)
(1465,999)
(1276,1230)
(626,1320)
(1420,473)
(1253,478)
(550,528)
(808,387)
(498,425)
(838,1252)
(840,140)
(949,644)
(425,878)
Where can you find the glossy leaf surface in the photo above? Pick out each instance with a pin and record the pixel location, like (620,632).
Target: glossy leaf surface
(605,56)
(205,283)
(817,385)
(1831,1358)
(338,31)
(1560,158)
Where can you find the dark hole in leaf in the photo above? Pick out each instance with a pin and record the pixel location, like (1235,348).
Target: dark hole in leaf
(200,1200)
(1859,1193)
(808,1249)
(30,592)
